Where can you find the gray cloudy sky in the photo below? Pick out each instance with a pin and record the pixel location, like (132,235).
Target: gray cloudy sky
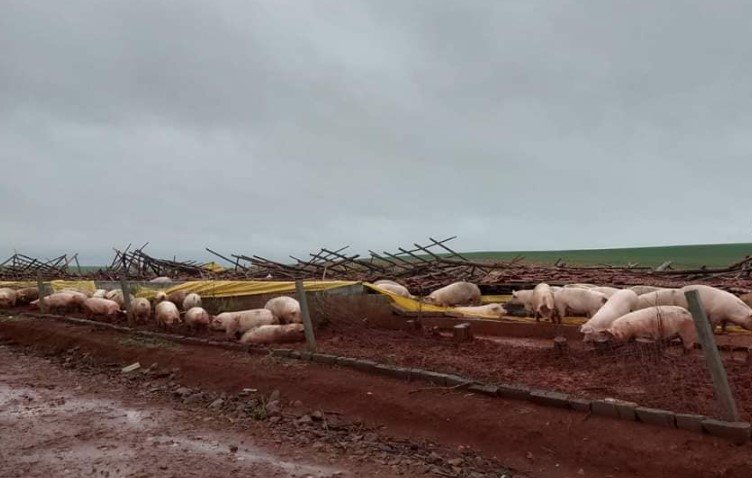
(277,127)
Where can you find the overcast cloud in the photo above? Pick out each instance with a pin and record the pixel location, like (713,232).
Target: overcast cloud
(277,127)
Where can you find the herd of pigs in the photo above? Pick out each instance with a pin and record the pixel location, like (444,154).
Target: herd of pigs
(278,321)
(617,315)
(614,314)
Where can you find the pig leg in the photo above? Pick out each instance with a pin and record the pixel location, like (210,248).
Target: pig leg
(561,311)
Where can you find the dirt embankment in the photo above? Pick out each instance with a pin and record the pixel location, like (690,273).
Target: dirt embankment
(536,441)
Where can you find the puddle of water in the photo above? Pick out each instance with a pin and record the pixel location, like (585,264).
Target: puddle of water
(247,454)
(51,413)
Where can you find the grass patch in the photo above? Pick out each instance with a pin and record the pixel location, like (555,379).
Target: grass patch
(687,257)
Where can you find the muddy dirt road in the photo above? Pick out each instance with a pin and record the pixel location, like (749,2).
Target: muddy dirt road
(56,422)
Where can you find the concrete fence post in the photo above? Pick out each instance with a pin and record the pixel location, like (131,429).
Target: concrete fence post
(127,301)
(307,323)
(712,357)
(42,293)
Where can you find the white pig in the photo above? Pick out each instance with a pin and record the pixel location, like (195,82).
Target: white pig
(386,281)
(457,293)
(99,294)
(161,280)
(661,297)
(95,306)
(167,314)
(394,289)
(63,302)
(543,303)
(656,323)
(496,310)
(159,297)
(196,317)
(8,298)
(177,297)
(578,301)
(239,322)
(191,300)
(607,291)
(272,334)
(285,309)
(117,296)
(722,307)
(26,295)
(644,289)
(619,304)
(524,297)
(580,286)
(141,309)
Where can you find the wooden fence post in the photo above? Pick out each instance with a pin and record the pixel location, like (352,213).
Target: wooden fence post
(712,357)
(127,301)
(307,324)
(42,292)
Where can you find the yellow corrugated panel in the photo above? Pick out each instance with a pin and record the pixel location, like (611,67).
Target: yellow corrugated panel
(228,288)
(79,285)
(17,284)
(415,305)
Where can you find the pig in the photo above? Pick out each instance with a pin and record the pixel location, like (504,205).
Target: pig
(457,293)
(82,296)
(607,291)
(656,323)
(95,306)
(26,295)
(394,289)
(237,323)
(161,280)
(8,298)
(661,297)
(177,297)
(141,309)
(117,296)
(99,294)
(62,302)
(273,334)
(722,307)
(196,318)
(577,301)
(191,300)
(496,310)
(543,303)
(524,297)
(644,289)
(160,297)
(580,286)
(619,304)
(167,314)
(76,291)
(386,281)
(285,309)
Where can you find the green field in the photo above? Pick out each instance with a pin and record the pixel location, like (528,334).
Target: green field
(711,255)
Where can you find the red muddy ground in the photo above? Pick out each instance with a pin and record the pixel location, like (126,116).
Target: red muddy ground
(672,381)
(537,441)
